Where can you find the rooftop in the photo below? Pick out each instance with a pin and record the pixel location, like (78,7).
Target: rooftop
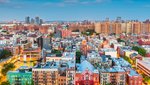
(85,65)
(145,62)
(112,69)
(108,50)
(22,69)
(133,73)
(56,65)
(47,65)
(126,48)
(69,54)
(121,62)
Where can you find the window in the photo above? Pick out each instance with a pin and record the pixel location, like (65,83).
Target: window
(122,77)
(87,77)
(95,78)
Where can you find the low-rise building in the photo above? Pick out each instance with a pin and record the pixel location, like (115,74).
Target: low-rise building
(109,51)
(93,57)
(115,75)
(144,41)
(54,73)
(144,66)
(125,51)
(86,74)
(66,56)
(22,76)
(30,54)
(133,78)
(147,48)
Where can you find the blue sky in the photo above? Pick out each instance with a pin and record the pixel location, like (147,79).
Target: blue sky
(74,9)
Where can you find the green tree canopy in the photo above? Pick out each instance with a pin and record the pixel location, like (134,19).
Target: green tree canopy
(5,83)
(120,40)
(88,32)
(57,52)
(5,54)
(7,67)
(128,59)
(140,50)
(78,56)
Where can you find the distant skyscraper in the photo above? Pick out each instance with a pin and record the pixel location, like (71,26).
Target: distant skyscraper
(37,20)
(41,21)
(107,19)
(32,21)
(118,19)
(27,20)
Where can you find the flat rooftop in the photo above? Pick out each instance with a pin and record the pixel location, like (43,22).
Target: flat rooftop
(108,50)
(126,48)
(47,65)
(133,73)
(145,62)
(121,62)
(112,69)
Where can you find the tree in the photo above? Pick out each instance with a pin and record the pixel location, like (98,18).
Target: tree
(5,54)
(146,78)
(88,32)
(5,83)
(57,52)
(120,40)
(32,83)
(7,67)
(135,48)
(140,50)
(4,31)
(51,35)
(78,56)
(108,84)
(128,59)
(0,78)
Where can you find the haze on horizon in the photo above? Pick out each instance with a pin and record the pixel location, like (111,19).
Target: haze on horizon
(74,9)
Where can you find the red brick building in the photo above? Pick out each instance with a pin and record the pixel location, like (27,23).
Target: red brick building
(133,78)
(66,33)
(86,74)
(144,41)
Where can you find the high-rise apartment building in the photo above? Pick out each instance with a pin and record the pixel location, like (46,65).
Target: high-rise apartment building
(102,27)
(116,28)
(128,27)
(146,28)
(136,27)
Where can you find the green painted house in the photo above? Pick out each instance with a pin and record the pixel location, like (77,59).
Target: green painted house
(23,76)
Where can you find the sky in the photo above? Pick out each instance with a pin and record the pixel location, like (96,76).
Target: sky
(70,10)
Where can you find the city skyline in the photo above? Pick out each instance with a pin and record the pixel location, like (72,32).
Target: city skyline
(70,10)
